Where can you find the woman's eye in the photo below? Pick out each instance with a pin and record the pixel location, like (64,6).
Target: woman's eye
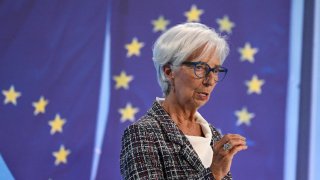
(200,68)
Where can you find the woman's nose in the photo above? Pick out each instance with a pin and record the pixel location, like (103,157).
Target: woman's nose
(210,79)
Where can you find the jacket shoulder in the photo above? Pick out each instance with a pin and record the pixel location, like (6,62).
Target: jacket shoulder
(146,124)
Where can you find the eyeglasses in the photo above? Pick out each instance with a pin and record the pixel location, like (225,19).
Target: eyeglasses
(202,69)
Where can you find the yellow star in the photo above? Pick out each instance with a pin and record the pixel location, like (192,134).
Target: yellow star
(122,80)
(56,124)
(134,47)
(40,106)
(193,15)
(225,24)
(247,52)
(61,155)
(254,85)
(11,95)
(160,24)
(128,113)
(244,116)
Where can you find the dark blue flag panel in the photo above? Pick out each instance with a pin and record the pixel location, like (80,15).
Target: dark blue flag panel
(250,101)
(50,68)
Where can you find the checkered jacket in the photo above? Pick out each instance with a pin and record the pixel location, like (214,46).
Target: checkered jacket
(154,148)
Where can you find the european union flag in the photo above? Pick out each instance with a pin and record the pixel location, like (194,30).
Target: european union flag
(52,56)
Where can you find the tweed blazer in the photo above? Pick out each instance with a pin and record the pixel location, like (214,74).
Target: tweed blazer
(155,148)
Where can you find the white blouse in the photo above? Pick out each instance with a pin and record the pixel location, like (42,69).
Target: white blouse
(202,144)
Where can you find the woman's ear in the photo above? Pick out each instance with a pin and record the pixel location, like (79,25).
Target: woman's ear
(168,72)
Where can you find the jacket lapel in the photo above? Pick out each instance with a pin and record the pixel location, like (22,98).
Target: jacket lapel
(176,136)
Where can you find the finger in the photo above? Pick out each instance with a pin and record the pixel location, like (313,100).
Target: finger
(234,136)
(236,142)
(236,149)
(230,140)
(227,147)
(229,137)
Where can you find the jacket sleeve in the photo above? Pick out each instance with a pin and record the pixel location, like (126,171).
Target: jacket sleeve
(228,176)
(139,158)
(207,175)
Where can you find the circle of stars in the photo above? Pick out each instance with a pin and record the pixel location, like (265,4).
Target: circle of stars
(247,53)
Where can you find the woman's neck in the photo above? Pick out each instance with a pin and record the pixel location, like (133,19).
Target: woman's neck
(180,111)
(183,116)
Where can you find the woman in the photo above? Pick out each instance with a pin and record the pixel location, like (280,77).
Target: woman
(173,141)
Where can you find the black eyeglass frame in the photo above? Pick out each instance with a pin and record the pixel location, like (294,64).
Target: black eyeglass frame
(214,69)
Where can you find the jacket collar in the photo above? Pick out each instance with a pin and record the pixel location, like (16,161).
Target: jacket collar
(167,125)
(175,135)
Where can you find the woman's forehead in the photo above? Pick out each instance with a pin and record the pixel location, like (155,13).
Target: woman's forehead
(205,55)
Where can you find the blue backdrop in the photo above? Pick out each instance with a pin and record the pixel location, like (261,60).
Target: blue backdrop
(58,59)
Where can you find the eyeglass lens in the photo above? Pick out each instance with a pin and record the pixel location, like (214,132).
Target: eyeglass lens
(202,70)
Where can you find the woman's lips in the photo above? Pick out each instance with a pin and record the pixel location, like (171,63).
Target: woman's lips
(203,95)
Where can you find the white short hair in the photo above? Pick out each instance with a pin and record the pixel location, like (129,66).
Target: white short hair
(179,42)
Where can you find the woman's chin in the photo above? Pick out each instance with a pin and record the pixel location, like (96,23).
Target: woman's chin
(200,102)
